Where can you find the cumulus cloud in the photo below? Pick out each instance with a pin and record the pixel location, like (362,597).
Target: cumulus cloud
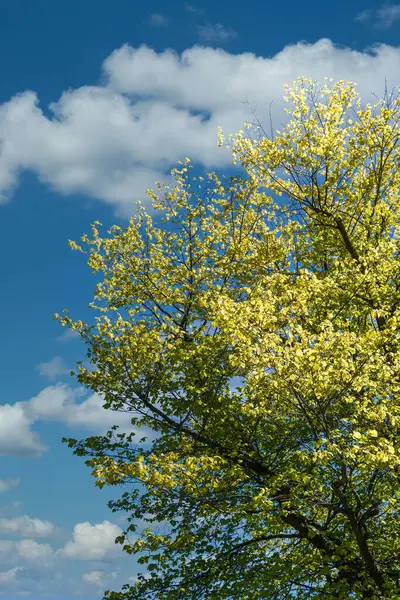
(59,403)
(27,549)
(215,33)
(26,526)
(93,578)
(113,141)
(99,578)
(11,574)
(92,542)
(16,436)
(88,542)
(8,484)
(33,551)
(53,369)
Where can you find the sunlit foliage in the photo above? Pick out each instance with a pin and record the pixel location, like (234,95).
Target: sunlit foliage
(253,324)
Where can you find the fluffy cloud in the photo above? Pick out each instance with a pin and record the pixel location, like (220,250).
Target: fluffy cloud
(33,551)
(53,369)
(214,82)
(54,403)
(92,542)
(58,403)
(16,436)
(27,549)
(94,577)
(99,577)
(26,526)
(88,542)
(8,484)
(11,574)
(113,141)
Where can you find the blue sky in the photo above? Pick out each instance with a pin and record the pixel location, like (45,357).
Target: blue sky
(93,110)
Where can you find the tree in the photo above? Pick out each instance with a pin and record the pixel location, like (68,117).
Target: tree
(255,330)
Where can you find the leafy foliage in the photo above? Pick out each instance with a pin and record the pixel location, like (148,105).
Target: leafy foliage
(256,331)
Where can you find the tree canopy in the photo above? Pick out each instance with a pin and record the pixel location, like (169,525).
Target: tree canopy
(252,324)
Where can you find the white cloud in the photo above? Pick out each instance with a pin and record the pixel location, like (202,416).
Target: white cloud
(158,20)
(94,577)
(8,484)
(68,335)
(215,82)
(113,141)
(16,437)
(54,402)
(92,542)
(91,414)
(53,369)
(26,526)
(99,578)
(215,33)
(27,549)
(11,574)
(58,403)
(33,551)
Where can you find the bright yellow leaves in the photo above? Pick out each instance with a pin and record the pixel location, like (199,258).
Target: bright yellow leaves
(254,325)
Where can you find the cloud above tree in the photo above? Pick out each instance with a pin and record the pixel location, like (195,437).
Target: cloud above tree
(113,141)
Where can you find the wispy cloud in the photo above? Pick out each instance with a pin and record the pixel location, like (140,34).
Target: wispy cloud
(53,369)
(11,574)
(69,334)
(99,578)
(388,14)
(8,484)
(94,578)
(194,10)
(364,16)
(158,20)
(216,32)
(381,18)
